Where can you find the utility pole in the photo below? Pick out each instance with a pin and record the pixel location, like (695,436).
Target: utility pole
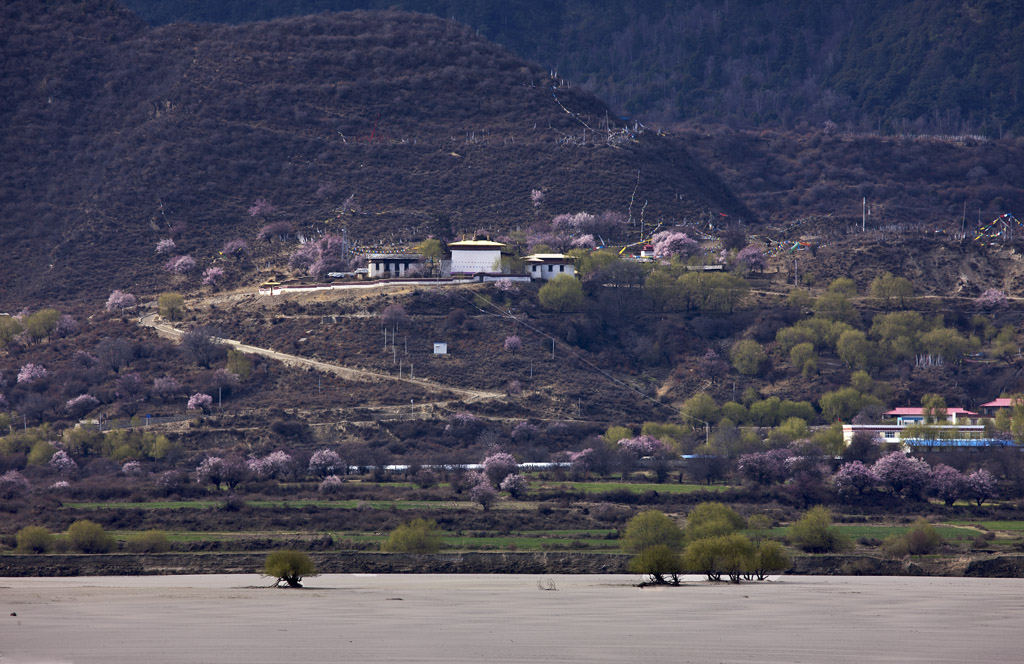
(864,214)
(552,349)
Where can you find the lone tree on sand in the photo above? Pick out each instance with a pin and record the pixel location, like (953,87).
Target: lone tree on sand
(289,566)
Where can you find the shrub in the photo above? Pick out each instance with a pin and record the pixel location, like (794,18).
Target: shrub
(814,532)
(150,541)
(289,566)
(87,536)
(767,558)
(748,357)
(712,518)
(171,305)
(34,539)
(331,484)
(651,528)
(563,293)
(181,265)
(119,301)
(515,484)
(922,538)
(483,493)
(416,536)
(715,556)
(657,562)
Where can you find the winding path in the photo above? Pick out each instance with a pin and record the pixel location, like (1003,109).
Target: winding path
(347,373)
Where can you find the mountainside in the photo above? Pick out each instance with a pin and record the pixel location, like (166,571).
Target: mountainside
(117,135)
(908,65)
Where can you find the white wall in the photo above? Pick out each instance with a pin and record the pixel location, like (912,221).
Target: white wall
(475,260)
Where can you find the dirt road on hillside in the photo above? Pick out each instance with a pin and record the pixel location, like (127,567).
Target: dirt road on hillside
(347,373)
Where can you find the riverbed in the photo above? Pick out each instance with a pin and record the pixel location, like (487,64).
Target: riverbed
(509,618)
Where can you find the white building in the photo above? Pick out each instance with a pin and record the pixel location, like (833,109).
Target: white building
(385,266)
(549,266)
(476,257)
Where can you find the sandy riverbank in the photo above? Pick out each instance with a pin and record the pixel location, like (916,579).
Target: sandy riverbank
(499,618)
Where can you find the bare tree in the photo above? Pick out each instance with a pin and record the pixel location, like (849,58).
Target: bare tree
(199,345)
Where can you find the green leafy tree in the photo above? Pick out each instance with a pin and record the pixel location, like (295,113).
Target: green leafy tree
(856,351)
(815,533)
(945,342)
(658,562)
(769,557)
(10,327)
(416,536)
(700,408)
(834,306)
(563,293)
(715,556)
(662,289)
(34,539)
(843,286)
(86,536)
(891,290)
(171,305)
(433,251)
(289,566)
(42,323)
(748,357)
(239,364)
(709,519)
(651,528)
(616,433)
(804,358)
(800,299)
(933,407)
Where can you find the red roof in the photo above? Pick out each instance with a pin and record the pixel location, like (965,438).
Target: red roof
(920,411)
(1001,402)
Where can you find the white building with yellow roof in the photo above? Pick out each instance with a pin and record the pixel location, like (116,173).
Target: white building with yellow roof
(476,256)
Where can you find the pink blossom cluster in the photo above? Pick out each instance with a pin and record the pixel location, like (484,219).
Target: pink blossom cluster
(671,243)
(200,401)
(643,445)
(181,265)
(165,246)
(324,463)
(31,372)
(276,465)
(213,275)
(63,464)
(498,466)
(771,467)
(261,207)
(331,484)
(13,484)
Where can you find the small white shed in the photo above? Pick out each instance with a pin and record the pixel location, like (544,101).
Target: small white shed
(440,348)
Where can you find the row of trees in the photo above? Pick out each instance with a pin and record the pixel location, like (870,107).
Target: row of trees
(709,545)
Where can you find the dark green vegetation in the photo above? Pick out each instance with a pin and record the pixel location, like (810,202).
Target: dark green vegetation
(907,65)
(289,566)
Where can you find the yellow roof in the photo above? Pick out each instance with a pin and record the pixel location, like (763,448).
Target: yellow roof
(476,244)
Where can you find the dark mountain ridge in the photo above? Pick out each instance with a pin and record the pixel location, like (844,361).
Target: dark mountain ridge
(117,136)
(902,65)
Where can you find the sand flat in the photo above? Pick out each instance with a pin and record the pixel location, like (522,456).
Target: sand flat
(499,618)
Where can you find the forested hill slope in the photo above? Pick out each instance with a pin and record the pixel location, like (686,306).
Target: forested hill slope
(936,66)
(116,135)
